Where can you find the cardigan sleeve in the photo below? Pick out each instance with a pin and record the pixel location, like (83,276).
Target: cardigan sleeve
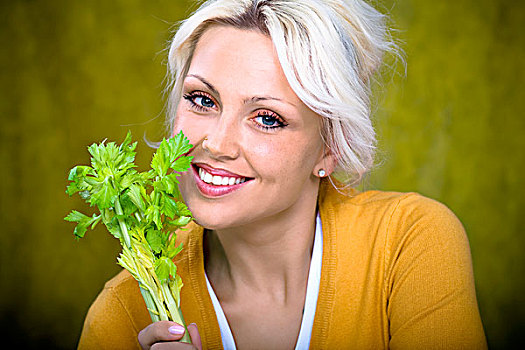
(431,295)
(115,317)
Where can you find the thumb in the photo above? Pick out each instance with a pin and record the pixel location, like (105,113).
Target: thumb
(195,336)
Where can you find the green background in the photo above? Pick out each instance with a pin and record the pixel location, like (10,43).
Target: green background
(75,72)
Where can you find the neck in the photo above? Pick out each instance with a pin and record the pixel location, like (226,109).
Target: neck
(270,257)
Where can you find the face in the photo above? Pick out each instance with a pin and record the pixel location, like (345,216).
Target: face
(257,147)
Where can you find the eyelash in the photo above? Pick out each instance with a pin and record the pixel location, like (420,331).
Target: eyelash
(194,95)
(280,122)
(190,97)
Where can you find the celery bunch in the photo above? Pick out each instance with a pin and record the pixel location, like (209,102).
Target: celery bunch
(142,210)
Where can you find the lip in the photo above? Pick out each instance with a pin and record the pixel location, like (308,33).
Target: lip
(214,191)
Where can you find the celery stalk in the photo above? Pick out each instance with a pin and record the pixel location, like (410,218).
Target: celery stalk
(143,210)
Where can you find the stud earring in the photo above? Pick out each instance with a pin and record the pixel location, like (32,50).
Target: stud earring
(321,173)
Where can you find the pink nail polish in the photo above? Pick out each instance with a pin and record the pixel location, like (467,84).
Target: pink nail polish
(177,330)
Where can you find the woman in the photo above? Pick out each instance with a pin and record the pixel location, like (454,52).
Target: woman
(274,96)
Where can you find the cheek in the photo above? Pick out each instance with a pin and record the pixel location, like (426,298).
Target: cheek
(191,129)
(286,159)
(267,158)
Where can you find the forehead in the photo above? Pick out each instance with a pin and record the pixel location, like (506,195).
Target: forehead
(239,58)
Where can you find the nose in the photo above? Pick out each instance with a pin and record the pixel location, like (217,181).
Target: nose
(221,142)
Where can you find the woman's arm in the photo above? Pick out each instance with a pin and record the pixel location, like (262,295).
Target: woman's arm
(432,300)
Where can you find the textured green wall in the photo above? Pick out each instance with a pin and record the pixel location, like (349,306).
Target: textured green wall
(75,72)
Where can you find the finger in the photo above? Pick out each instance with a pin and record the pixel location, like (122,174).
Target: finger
(160,331)
(195,336)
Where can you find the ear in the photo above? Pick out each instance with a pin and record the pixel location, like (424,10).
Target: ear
(326,163)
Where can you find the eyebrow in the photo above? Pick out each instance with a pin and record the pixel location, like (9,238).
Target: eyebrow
(256,99)
(207,83)
(246,101)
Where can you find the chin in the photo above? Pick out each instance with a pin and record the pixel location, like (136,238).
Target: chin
(220,216)
(213,221)
(214,214)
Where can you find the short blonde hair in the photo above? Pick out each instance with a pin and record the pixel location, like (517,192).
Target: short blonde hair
(328,50)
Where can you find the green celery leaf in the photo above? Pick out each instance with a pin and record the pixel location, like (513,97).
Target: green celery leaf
(145,196)
(94,182)
(169,206)
(182,209)
(80,230)
(173,250)
(76,216)
(135,195)
(78,176)
(126,144)
(170,182)
(147,176)
(160,161)
(110,221)
(159,186)
(169,153)
(157,218)
(149,213)
(98,156)
(79,171)
(73,188)
(114,228)
(175,286)
(154,238)
(129,178)
(124,161)
(163,269)
(181,164)
(95,153)
(107,215)
(110,155)
(128,206)
(181,221)
(153,214)
(173,268)
(179,145)
(83,222)
(105,196)
(127,149)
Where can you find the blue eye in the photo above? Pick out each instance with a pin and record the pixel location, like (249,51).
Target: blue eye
(268,120)
(200,101)
(204,101)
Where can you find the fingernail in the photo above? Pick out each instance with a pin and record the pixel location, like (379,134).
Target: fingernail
(177,329)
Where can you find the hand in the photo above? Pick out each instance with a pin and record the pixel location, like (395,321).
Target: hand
(164,335)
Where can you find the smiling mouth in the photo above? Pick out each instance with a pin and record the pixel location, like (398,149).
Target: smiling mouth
(217,182)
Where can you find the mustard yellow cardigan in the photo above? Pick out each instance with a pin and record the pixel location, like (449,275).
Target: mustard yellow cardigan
(396,273)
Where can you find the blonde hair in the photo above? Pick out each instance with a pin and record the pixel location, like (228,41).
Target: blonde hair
(328,50)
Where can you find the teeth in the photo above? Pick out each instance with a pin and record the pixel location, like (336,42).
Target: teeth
(219,180)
